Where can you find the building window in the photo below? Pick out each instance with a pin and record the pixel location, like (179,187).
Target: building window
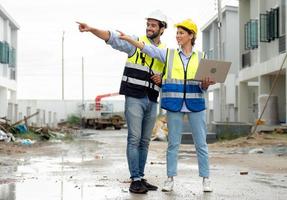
(251,34)
(4,52)
(12,57)
(269,25)
(275,22)
(264,33)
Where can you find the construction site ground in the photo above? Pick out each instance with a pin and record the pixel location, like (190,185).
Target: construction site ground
(93,166)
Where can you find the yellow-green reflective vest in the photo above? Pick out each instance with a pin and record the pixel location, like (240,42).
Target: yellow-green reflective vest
(139,68)
(178,86)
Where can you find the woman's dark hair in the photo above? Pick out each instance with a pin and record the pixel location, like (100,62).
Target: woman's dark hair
(190,32)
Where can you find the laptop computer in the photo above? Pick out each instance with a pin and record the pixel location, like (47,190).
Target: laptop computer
(214,69)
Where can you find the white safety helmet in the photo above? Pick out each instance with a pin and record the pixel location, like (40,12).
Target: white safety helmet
(159,16)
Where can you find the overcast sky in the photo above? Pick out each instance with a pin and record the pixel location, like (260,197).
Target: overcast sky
(42,23)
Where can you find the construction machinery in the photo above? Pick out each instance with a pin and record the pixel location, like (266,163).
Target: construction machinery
(100,116)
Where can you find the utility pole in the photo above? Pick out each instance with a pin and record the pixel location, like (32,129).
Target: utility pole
(83,76)
(83,90)
(220,57)
(63,37)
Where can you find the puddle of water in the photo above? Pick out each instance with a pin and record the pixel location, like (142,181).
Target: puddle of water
(60,178)
(270,180)
(279,150)
(69,172)
(56,190)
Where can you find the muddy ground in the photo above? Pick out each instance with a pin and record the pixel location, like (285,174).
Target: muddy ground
(93,166)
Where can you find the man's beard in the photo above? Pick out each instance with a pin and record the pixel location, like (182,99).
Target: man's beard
(154,35)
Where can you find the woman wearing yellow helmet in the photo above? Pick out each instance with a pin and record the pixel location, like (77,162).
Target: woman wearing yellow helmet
(181,95)
(190,27)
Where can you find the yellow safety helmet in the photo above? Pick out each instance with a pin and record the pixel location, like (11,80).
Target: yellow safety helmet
(189,24)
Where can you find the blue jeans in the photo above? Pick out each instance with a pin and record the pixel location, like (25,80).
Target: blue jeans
(140,115)
(199,131)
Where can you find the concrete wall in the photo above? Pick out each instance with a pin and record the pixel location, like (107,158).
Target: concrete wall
(50,111)
(53,111)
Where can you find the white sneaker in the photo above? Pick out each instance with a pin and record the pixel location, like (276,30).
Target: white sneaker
(206,185)
(168,185)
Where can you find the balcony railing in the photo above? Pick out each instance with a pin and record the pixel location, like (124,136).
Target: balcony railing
(246,59)
(282,44)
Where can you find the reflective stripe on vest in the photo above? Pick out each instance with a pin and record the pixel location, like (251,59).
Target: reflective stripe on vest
(137,67)
(180,95)
(138,70)
(175,81)
(140,82)
(175,89)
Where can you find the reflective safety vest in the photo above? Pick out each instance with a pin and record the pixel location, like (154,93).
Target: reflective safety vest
(177,84)
(139,68)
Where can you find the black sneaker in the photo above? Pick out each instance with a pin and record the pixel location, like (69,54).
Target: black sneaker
(138,187)
(148,186)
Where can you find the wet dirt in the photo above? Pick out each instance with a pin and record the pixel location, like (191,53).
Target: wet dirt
(93,166)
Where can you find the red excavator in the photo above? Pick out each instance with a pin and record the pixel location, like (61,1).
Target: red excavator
(98,99)
(101,116)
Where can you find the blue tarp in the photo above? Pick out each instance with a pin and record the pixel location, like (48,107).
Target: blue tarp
(21,128)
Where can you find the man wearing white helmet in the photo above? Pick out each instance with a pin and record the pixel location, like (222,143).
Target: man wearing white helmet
(140,85)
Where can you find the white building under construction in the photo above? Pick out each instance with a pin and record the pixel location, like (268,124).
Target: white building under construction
(262,42)
(8,65)
(254,39)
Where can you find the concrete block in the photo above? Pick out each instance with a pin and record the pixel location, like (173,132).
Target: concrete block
(231,130)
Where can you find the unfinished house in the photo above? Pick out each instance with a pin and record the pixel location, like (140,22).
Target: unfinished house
(262,41)
(8,65)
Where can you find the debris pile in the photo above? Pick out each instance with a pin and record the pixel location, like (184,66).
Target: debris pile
(23,133)
(160,130)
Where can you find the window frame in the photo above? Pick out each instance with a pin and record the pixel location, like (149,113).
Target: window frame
(251,34)
(269,25)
